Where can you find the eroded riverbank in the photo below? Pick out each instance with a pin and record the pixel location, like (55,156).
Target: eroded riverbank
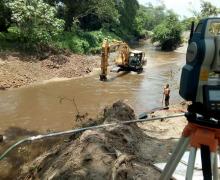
(18,70)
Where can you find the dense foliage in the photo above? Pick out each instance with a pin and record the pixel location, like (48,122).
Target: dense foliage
(91,14)
(5,16)
(168,33)
(83,42)
(81,25)
(148,17)
(207,10)
(35,20)
(127,10)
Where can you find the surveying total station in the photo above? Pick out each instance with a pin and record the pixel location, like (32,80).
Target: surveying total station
(200,84)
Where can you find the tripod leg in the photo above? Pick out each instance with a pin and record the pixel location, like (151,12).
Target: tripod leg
(206,162)
(191,163)
(175,158)
(214,163)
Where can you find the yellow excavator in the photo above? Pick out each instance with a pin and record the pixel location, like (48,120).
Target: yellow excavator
(126,60)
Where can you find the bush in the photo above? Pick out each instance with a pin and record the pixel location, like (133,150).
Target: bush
(79,45)
(36,20)
(168,33)
(83,42)
(9,40)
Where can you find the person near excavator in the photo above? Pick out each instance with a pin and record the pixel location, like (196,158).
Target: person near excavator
(166,95)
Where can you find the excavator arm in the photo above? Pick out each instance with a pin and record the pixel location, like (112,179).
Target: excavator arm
(126,59)
(122,58)
(104,60)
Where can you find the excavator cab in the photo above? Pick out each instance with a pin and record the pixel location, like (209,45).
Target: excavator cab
(126,59)
(136,60)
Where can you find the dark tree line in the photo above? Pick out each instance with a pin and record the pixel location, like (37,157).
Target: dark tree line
(5,16)
(41,20)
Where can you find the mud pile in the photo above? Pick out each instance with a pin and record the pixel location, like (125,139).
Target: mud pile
(116,152)
(19,70)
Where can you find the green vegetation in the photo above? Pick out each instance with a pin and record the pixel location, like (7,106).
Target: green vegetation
(35,20)
(168,33)
(83,41)
(81,25)
(207,10)
(148,17)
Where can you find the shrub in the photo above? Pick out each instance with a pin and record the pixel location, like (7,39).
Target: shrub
(168,33)
(36,20)
(83,42)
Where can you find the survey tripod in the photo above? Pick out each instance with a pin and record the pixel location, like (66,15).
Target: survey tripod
(200,84)
(201,132)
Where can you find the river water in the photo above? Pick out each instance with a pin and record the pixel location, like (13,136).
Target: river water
(40,107)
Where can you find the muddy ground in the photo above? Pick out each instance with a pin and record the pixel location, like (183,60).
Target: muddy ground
(18,70)
(117,152)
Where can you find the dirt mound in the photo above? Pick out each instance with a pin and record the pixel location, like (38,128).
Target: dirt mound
(116,152)
(19,70)
(109,153)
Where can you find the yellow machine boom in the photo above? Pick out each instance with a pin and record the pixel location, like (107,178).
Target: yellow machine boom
(126,58)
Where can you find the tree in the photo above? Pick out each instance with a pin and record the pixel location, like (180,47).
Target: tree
(35,19)
(90,13)
(5,16)
(128,11)
(207,9)
(101,13)
(148,17)
(168,33)
(187,23)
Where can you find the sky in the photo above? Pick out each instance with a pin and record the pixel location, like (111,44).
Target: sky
(181,7)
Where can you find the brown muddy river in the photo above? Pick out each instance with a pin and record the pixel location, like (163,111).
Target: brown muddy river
(38,107)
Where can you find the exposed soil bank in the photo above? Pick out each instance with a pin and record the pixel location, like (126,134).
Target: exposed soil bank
(18,70)
(117,152)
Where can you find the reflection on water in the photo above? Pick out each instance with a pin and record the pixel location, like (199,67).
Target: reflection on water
(39,107)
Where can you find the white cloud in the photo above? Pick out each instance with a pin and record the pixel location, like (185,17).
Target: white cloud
(181,7)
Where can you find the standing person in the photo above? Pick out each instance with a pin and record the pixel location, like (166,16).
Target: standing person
(166,93)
